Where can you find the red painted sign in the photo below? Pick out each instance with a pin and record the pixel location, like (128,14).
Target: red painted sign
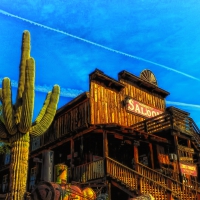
(142,109)
(188,169)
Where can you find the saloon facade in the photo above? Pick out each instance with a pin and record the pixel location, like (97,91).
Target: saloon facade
(118,141)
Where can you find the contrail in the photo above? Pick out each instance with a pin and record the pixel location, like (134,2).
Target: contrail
(72,93)
(64,92)
(98,45)
(183,104)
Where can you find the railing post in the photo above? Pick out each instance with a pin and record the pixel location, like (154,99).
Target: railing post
(139,184)
(169,193)
(198,196)
(151,154)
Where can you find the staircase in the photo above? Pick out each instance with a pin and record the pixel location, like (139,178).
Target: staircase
(146,180)
(139,181)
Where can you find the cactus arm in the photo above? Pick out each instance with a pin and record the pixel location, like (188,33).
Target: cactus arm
(0,94)
(8,112)
(43,110)
(28,97)
(25,49)
(3,132)
(47,118)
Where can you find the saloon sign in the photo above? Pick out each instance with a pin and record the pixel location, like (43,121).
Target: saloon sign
(141,109)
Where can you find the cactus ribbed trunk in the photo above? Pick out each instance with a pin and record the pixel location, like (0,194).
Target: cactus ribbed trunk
(16,124)
(19,165)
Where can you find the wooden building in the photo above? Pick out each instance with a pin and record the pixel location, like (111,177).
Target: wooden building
(120,140)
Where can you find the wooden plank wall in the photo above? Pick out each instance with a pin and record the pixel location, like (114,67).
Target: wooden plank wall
(148,98)
(107,104)
(71,120)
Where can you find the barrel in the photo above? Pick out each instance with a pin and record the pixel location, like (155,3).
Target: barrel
(60,173)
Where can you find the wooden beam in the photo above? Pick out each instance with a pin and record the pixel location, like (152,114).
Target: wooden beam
(136,159)
(109,190)
(105,144)
(189,143)
(151,154)
(72,155)
(177,153)
(135,149)
(169,193)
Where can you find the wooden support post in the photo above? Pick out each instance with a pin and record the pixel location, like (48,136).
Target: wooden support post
(178,156)
(135,150)
(189,143)
(198,196)
(176,147)
(72,156)
(169,193)
(105,144)
(136,160)
(151,154)
(109,190)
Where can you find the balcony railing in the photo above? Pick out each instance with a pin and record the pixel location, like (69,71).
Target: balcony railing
(89,171)
(144,179)
(169,120)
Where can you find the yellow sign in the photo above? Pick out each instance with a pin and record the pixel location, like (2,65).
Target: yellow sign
(188,169)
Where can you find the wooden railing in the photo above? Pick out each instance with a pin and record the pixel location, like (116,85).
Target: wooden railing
(154,124)
(169,120)
(190,182)
(149,180)
(183,191)
(89,171)
(143,179)
(152,174)
(196,137)
(121,173)
(170,173)
(134,180)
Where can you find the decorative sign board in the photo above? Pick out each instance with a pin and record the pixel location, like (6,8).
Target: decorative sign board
(188,169)
(141,109)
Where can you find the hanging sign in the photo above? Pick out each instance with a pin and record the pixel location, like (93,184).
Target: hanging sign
(188,169)
(141,109)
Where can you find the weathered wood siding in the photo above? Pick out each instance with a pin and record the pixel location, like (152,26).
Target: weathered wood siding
(76,118)
(107,104)
(149,98)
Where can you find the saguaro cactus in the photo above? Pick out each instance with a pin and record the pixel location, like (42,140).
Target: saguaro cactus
(16,125)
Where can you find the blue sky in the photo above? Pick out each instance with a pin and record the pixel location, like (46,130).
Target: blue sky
(69,39)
